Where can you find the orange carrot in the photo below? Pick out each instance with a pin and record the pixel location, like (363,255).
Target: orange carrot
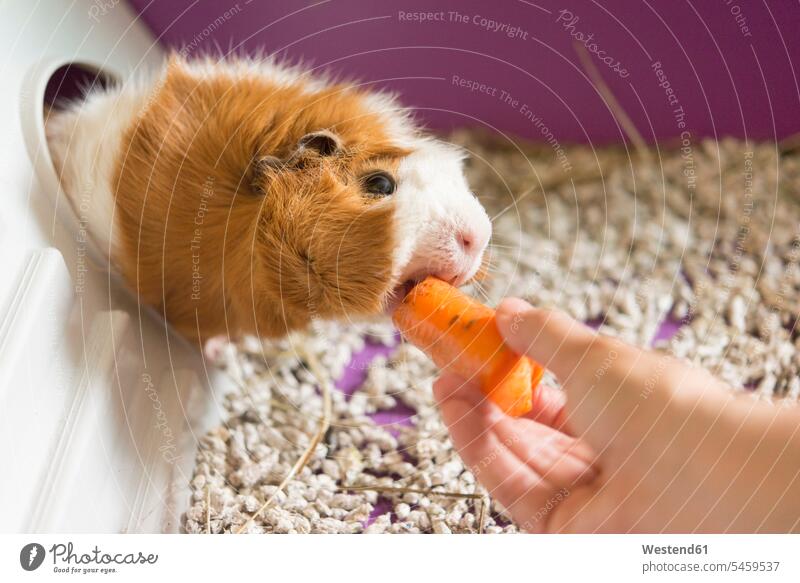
(460,335)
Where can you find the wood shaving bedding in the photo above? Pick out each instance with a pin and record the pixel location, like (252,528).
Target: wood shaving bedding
(704,238)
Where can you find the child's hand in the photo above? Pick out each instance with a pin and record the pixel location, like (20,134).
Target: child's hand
(637,441)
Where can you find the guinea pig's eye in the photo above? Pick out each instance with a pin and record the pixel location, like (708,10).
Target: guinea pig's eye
(379,184)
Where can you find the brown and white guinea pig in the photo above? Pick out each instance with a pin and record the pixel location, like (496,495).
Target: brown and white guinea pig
(242,196)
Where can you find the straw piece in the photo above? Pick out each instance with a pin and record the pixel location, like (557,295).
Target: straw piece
(208,509)
(327,407)
(402,490)
(611,101)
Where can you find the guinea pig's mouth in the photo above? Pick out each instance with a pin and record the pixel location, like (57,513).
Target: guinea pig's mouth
(398,293)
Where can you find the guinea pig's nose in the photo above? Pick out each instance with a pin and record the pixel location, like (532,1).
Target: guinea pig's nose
(469,242)
(465,240)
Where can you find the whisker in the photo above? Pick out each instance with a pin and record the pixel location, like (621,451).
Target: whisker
(501,246)
(481,290)
(482,295)
(496,269)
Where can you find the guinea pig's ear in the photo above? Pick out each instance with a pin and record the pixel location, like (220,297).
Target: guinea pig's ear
(260,171)
(323,143)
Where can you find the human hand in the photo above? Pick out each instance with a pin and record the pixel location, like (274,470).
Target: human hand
(636,441)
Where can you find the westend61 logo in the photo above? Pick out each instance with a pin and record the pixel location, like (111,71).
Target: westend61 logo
(67,560)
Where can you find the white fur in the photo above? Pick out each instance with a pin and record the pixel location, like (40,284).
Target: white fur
(434,207)
(280,74)
(85,141)
(434,202)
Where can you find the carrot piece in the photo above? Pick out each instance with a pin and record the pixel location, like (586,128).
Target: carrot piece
(460,335)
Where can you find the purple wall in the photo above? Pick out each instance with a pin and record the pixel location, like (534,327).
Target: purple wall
(731,65)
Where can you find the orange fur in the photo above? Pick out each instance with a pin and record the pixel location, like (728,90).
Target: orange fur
(223,245)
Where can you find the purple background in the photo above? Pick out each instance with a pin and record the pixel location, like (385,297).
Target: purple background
(727,83)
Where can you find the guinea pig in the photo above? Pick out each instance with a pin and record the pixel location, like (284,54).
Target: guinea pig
(245,196)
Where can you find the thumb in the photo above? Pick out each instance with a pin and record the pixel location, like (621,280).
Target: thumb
(602,377)
(549,337)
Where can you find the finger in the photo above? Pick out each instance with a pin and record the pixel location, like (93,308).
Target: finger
(449,386)
(515,484)
(558,458)
(548,406)
(601,376)
(592,508)
(573,515)
(526,435)
(551,338)
(548,402)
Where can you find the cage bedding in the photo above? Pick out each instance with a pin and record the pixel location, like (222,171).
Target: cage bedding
(693,252)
